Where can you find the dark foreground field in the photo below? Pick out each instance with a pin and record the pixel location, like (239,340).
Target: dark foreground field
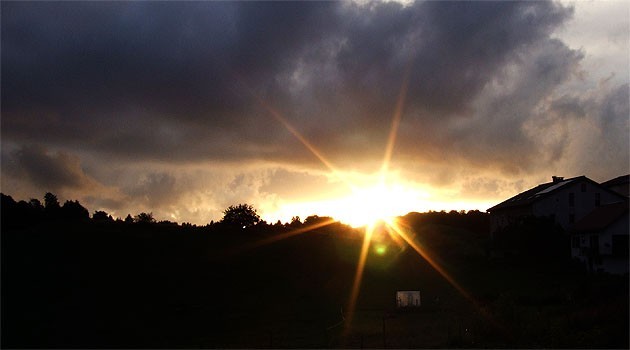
(111,285)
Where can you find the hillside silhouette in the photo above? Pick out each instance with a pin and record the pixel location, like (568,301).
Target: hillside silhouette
(74,281)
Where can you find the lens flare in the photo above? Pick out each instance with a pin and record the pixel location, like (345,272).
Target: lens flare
(373,204)
(358,276)
(380,249)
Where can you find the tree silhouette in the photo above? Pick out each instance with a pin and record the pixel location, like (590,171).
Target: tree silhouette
(35,210)
(73,210)
(102,216)
(36,204)
(295,221)
(144,218)
(317,220)
(242,215)
(51,202)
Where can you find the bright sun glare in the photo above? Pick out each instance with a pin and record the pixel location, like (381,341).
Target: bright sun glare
(364,203)
(365,206)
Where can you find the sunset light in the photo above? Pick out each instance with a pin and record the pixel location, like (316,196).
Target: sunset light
(282,174)
(368,205)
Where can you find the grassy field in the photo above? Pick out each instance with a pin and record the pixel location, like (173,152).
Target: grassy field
(151,287)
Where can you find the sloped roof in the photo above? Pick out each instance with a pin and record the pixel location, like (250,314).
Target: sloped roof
(620,180)
(536,193)
(602,217)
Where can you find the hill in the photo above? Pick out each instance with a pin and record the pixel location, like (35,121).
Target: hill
(90,284)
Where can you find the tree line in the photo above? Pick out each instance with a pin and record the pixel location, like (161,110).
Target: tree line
(241,217)
(23,213)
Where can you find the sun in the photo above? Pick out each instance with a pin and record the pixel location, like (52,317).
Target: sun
(366,206)
(366,202)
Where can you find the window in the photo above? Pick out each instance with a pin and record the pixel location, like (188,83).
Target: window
(594,243)
(583,187)
(575,242)
(598,200)
(620,245)
(571,199)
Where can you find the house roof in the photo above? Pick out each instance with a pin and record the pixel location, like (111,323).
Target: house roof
(536,193)
(620,180)
(602,217)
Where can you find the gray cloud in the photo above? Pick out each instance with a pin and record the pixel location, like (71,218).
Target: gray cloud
(155,190)
(51,171)
(602,141)
(146,79)
(284,183)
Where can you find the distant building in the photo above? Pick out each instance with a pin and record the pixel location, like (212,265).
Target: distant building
(566,201)
(600,239)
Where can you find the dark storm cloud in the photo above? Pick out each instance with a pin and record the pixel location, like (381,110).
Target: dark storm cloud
(453,48)
(93,56)
(607,152)
(50,171)
(77,70)
(179,81)
(177,57)
(505,123)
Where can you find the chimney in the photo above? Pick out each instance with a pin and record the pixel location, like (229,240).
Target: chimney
(557,179)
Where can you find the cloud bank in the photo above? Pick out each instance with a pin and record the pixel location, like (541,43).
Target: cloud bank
(170,105)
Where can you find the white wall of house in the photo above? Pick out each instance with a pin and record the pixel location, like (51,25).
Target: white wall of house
(606,261)
(566,211)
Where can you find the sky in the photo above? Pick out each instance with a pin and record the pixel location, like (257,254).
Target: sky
(182,109)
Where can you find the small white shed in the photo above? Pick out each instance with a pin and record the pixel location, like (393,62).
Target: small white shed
(408,298)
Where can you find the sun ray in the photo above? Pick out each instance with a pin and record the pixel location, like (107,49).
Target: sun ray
(278,116)
(393,132)
(358,276)
(400,231)
(426,256)
(276,238)
(305,142)
(391,225)
(369,230)
(395,237)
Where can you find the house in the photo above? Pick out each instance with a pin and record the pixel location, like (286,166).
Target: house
(619,184)
(566,201)
(600,239)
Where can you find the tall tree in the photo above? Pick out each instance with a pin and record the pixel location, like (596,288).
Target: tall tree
(73,210)
(242,215)
(144,218)
(50,201)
